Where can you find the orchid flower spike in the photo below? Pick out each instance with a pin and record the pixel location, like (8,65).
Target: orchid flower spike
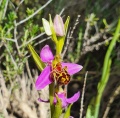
(55,70)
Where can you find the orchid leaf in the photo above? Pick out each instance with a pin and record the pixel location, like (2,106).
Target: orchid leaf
(67,114)
(58,108)
(54,38)
(36,58)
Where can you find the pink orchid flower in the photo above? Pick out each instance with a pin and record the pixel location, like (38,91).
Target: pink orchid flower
(65,101)
(65,69)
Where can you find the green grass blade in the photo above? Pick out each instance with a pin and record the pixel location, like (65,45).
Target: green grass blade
(93,109)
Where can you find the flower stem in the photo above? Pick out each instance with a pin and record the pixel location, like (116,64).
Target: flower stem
(51,96)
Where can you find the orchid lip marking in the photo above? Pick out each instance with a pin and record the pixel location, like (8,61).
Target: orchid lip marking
(60,75)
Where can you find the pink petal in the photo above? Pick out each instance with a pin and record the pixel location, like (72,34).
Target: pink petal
(72,68)
(63,99)
(59,26)
(74,98)
(43,79)
(39,99)
(61,95)
(46,54)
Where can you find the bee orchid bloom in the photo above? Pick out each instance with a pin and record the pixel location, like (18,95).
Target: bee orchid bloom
(66,101)
(59,72)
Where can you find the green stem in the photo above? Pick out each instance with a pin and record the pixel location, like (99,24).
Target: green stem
(110,48)
(94,106)
(51,96)
(106,70)
(60,44)
(99,96)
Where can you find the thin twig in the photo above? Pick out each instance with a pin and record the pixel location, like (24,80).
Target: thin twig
(32,15)
(41,41)
(82,98)
(69,36)
(66,45)
(19,5)
(116,92)
(89,48)
(12,59)
(12,4)
(76,23)
(15,37)
(8,39)
(62,11)
(28,70)
(1,56)
(5,9)
(1,44)
(32,39)
(86,34)
(88,26)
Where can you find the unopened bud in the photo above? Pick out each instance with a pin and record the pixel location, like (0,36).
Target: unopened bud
(59,26)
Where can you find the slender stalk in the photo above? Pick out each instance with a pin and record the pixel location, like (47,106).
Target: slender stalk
(5,8)
(33,38)
(106,70)
(116,93)
(51,96)
(82,98)
(19,5)
(94,106)
(15,37)
(110,48)
(99,96)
